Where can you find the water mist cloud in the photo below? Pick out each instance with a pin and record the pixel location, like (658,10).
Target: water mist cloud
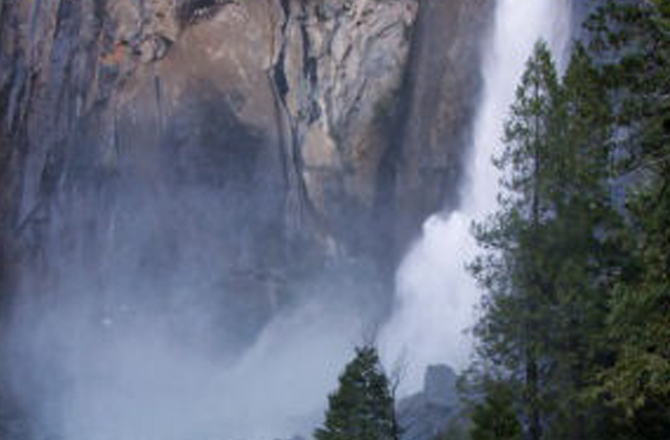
(88,379)
(157,326)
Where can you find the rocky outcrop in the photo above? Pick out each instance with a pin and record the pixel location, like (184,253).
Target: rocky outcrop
(426,415)
(342,66)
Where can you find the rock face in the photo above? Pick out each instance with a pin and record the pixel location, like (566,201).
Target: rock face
(242,140)
(439,104)
(342,67)
(214,151)
(440,386)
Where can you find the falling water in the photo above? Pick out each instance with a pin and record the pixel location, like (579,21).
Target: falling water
(435,295)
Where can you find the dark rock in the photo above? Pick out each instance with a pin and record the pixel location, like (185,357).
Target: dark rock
(440,386)
(438,102)
(423,416)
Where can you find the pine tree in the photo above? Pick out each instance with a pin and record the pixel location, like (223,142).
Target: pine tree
(584,251)
(495,418)
(633,38)
(550,251)
(513,270)
(577,312)
(362,408)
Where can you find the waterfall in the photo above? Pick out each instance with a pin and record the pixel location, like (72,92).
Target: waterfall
(436,297)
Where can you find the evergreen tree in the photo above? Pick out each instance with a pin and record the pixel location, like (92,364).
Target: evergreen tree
(513,270)
(550,253)
(584,253)
(363,406)
(633,38)
(494,418)
(577,311)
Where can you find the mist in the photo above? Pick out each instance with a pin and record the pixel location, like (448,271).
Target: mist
(133,329)
(87,377)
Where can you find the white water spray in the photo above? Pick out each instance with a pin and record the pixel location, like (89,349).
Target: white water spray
(435,295)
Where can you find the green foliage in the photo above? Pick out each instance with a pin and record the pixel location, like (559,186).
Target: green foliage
(495,418)
(639,321)
(455,430)
(552,251)
(363,406)
(519,264)
(509,270)
(634,38)
(576,319)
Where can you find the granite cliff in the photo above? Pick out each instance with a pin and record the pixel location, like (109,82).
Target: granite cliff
(155,148)
(297,131)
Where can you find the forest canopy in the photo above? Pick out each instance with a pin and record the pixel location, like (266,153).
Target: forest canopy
(576,260)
